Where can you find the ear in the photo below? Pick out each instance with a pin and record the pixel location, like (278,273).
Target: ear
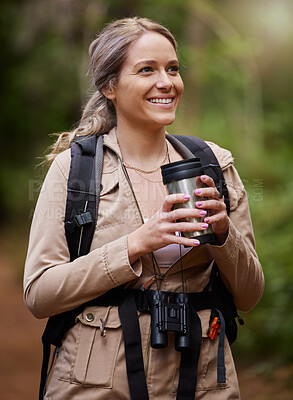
(109,93)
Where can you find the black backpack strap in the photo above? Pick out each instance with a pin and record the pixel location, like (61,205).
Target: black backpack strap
(189,361)
(228,306)
(133,351)
(83,192)
(221,369)
(199,148)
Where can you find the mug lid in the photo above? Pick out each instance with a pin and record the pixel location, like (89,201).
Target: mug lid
(180,169)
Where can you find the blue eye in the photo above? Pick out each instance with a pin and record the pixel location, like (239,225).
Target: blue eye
(173,68)
(146,69)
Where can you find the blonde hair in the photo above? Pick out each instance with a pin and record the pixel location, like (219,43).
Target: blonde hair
(107,52)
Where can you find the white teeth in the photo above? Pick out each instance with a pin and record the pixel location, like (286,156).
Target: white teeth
(163,101)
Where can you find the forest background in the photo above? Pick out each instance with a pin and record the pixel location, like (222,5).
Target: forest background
(237,65)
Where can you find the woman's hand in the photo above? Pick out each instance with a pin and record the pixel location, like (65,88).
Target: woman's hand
(218,216)
(159,230)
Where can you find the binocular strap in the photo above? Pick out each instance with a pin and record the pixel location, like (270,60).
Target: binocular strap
(189,361)
(133,352)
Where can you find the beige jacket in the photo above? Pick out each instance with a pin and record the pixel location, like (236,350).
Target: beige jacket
(91,366)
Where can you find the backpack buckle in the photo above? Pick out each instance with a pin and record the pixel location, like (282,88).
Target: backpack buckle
(83,219)
(79,221)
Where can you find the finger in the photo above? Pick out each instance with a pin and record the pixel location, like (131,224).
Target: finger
(207,180)
(184,241)
(189,226)
(180,213)
(216,218)
(172,199)
(207,192)
(217,205)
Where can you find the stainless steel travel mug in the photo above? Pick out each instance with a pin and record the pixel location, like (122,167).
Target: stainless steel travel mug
(184,177)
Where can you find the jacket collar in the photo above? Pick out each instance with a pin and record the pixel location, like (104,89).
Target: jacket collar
(224,156)
(110,140)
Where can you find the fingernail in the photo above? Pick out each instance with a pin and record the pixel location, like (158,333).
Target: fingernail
(197,242)
(199,203)
(203,212)
(207,220)
(198,191)
(204,225)
(203,177)
(187,196)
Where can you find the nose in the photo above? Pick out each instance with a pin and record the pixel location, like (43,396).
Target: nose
(164,82)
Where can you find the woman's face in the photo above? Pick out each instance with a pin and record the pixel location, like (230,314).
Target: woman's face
(149,86)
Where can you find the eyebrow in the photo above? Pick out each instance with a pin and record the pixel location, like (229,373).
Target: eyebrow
(152,62)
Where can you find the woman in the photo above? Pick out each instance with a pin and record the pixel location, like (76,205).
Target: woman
(136,72)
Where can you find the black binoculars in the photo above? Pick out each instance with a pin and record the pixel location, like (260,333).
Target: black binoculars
(169,312)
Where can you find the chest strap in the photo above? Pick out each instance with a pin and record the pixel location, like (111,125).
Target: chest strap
(129,301)
(133,350)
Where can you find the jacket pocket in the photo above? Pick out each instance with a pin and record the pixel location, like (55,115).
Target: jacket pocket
(97,344)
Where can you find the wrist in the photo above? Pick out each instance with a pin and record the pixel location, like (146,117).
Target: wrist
(221,235)
(135,247)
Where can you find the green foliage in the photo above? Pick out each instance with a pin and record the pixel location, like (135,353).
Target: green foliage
(270,325)
(237,68)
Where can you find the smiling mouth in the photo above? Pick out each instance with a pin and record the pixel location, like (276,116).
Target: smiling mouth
(161,101)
